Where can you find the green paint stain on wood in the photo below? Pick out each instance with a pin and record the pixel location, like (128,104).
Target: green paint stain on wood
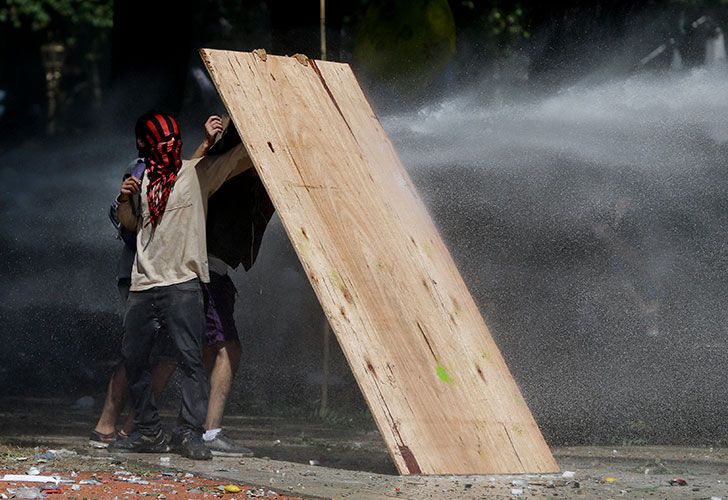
(442,373)
(336,279)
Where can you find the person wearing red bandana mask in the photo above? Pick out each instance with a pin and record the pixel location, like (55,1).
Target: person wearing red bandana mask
(167,210)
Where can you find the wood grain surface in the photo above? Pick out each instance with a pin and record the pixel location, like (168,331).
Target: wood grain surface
(433,377)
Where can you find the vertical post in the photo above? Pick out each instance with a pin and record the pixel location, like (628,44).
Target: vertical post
(322,27)
(324,409)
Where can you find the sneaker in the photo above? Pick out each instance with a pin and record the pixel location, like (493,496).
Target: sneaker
(192,446)
(223,446)
(100,441)
(139,443)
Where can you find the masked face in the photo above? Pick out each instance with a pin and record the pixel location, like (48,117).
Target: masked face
(159,138)
(168,152)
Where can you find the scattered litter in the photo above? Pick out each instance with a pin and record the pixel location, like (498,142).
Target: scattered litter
(76,487)
(21,459)
(715,498)
(93,482)
(52,491)
(45,456)
(314,462)
(276,442)
(3,496)
(27,493)
(133,480)
(678,481)
(548,484)
(33,471)
(568,474)
(259,493)
(168,474)
(228,470)
(518,483)
(189,475)
(517,492)
(308,473)
(164,460)
(22,478)
(232,488)
(63,453)
(610,479)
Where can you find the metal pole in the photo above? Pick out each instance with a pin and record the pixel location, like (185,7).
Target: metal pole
(326,361)
(322,27)
(324,409)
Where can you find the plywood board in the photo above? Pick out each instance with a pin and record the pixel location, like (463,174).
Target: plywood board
(421,353)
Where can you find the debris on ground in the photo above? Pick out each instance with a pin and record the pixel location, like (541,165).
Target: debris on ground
(107,485)
(29,478)
(91,473)
(66,474)
(678,481)
(232,488)
(24,492)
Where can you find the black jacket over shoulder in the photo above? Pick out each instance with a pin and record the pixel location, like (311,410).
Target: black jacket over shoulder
(238,213)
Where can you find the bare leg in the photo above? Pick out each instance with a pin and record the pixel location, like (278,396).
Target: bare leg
(222,361)
(114,402)
(161,374)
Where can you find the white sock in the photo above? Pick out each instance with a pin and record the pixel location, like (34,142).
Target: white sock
(211,434)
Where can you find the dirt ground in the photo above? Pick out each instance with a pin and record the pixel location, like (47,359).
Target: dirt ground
(325,460)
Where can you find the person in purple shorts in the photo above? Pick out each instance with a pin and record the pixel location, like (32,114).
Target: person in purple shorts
(237,216)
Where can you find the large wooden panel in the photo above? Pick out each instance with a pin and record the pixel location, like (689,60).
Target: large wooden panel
(434,379)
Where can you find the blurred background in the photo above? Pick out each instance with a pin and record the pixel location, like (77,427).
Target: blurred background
(572,153)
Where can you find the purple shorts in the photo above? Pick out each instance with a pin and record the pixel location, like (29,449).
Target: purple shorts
(219,310)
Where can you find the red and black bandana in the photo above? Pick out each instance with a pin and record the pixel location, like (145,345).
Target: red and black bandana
(163,148)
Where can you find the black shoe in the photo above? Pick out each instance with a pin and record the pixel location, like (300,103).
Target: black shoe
(193,447)
(176,437)
(139,443)
(223,446)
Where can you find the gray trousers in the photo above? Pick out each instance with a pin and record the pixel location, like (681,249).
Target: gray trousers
(176,311)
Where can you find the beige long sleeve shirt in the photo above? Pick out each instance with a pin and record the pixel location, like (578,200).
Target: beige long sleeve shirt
(176,250)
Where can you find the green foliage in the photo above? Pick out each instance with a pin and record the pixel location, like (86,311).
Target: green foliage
(415,37)
(57,15)
(503,22)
